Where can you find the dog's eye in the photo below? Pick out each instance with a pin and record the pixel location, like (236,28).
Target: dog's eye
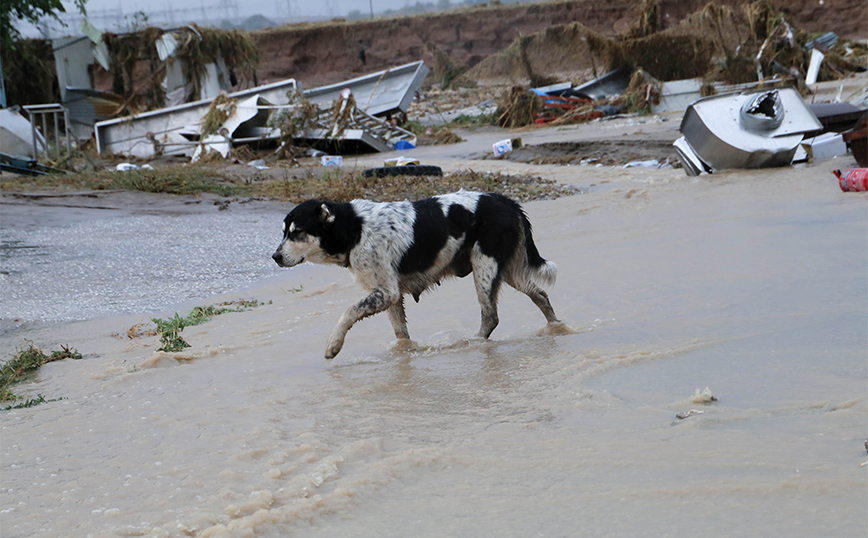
(283,227)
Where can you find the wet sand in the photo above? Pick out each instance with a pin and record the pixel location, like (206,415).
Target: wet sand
(750,283)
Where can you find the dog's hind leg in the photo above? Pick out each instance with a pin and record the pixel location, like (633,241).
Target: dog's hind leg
(486,276)
(377,301)
(399,319)
(541,299)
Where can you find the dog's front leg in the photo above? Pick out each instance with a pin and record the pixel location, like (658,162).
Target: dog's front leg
(399,319)
(377,301)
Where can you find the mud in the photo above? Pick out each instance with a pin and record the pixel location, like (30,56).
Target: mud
(596,152)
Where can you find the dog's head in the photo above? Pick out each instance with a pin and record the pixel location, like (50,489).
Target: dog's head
(303,230)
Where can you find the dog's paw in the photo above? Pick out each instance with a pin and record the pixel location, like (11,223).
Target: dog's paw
(558,328)
(334,346)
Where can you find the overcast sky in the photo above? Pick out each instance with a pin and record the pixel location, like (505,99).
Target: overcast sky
(111,13)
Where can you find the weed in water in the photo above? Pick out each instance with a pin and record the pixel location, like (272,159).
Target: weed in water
(31,402)
(170,333)
(24,362)
(170,329)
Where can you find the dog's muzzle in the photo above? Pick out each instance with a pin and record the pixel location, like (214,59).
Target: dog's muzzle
(283,262)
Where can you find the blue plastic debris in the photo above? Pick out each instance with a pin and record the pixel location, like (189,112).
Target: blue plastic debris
(403,144)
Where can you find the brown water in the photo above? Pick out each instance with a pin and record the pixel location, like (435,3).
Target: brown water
(752,284)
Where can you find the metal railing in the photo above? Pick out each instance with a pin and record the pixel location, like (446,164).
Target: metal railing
(41,113)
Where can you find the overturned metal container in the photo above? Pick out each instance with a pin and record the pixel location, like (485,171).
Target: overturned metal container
(751,129)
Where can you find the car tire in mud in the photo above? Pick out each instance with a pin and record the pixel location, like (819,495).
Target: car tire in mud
(408,170)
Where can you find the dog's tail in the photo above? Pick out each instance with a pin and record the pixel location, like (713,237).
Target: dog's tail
(540,271)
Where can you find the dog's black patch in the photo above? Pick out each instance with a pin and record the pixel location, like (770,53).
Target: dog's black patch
(497,228)
(462,222)
(430,232)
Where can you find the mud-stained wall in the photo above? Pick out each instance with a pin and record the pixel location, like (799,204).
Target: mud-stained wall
(323,54)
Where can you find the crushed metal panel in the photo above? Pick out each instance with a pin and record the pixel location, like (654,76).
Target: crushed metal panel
(612,84)
(130,135)
(16,134)
(690,161)
(166,45)
(87,106)
(678,95)
(379,93)
(749,129)
(247,116)
(350,141)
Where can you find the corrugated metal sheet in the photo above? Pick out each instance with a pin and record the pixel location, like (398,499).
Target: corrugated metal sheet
(72,55)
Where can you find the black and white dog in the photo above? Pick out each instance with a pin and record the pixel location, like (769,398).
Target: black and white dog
(395,248)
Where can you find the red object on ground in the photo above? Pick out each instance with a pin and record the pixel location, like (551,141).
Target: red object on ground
(853,180)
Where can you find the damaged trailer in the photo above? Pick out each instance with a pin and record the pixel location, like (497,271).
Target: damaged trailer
(752,129)
(161,132)
(176,130)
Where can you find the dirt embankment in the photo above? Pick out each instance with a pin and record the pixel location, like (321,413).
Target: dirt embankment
(328,53)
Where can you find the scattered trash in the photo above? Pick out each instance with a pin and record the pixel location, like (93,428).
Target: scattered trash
(404,144)
(25,166)
(704,397)
(612,84)
(685,414)
(505,146)
(125,167)
(814,67)
(400,161)
(407,170)
(259,164)
(826,146)
(608,110)
(654,163)
(744,130)
(853,180)
(677,95)
(826,41)
(332,160)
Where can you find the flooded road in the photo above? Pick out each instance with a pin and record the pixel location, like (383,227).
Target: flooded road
(749,283)
(117,263)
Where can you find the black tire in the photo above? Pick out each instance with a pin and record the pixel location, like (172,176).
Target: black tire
(409,170)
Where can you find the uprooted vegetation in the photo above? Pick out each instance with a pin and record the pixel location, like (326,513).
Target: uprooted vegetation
(292,184)
(753,43)
(21,366)
(138,74)
(169,330)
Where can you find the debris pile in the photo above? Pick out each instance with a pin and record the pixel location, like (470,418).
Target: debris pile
(650,68)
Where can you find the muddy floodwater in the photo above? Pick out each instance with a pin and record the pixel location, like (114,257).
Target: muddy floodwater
(751,284)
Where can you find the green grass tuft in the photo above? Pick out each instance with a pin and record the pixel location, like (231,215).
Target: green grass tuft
(24,362)
(170,329)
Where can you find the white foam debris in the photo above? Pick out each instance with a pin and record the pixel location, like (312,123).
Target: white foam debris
(704,397)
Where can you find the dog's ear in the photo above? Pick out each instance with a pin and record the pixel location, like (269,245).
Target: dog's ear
(326,215)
